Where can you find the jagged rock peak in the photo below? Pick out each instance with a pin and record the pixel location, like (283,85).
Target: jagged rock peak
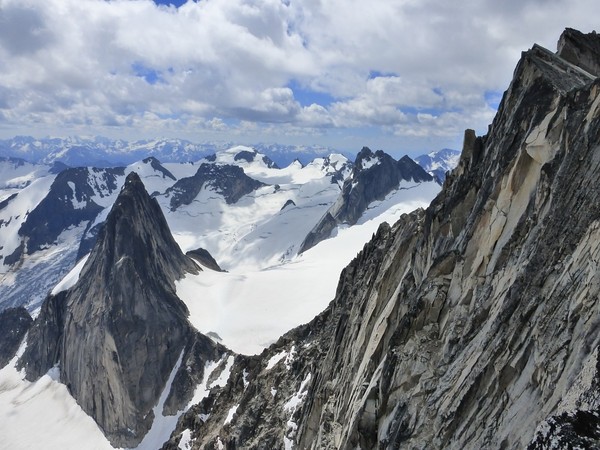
(581,49)
(558,71)
(373,177)
(407,168)
(366,158)
(118,333)
(136,228)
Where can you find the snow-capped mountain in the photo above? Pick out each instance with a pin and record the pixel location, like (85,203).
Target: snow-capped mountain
(284,155)
(470,323)
(439,162)
(376,177)
(104,152)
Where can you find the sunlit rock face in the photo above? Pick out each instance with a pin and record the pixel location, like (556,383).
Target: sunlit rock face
(471,324)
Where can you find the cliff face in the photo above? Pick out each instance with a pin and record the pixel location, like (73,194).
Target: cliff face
(471,324)
(14,324)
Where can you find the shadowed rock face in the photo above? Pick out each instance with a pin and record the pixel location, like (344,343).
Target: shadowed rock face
(119,331)
(205,258)
(68,203)
(14,324)
(583,50)
(472,324)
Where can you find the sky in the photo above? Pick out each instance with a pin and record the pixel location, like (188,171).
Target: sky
(405,76)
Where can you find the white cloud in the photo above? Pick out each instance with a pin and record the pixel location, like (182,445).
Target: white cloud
(417,68)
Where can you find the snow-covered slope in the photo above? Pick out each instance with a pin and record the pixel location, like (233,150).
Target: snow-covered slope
(252,305)
(265,227)
(43,414)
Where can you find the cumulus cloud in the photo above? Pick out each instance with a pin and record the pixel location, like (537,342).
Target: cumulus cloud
(407,69)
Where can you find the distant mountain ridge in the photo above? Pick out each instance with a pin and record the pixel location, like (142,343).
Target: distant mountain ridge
(104,152)
(235,203)
(374,176)
(440,162)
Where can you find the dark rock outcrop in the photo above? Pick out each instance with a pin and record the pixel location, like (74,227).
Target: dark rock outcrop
(229,181)
(582,50)
(249,156)
(205,258)
(289,202)
(374,176)
(470,324)
(118,333)
(4,203)
(156,165)
(14,324)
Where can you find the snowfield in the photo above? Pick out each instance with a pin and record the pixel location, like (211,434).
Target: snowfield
(43,415)
(240,306)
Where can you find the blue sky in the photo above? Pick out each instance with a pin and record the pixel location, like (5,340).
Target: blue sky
(403,76)
(176,3)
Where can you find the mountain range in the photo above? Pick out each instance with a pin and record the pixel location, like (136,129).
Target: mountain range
(233,304)
(236,205)
(100,151)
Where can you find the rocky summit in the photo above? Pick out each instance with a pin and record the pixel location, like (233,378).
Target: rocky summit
(472,324)
(227,180)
